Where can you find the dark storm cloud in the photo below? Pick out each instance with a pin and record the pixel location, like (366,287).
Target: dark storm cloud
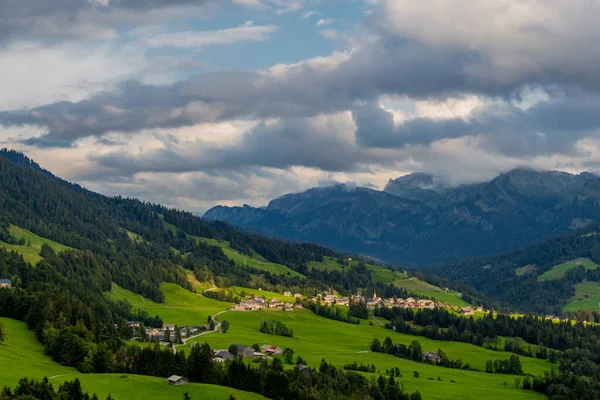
(548,127)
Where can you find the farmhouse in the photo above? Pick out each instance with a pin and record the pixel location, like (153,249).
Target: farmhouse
(222,355)
(298,295)
(466,311)
(5,283)
(431,356)
(270,349)
(303,369)
(177,380)
(244,351)
(287,294)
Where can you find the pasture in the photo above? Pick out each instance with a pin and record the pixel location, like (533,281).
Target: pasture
(254,260)
(421,288)
(21,355)
(31,250)
(181,307)
(587,297)
(558,271)
(316,338)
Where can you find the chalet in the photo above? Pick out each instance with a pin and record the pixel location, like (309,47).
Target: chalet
(244,351)
(304,370)
(5,283)
(287,294)
(431,357)
(222,355)
(177,380)
(277,304)
(170,327)
(466,311)
(479,308)
(288,306)
(273,350)
(298,295)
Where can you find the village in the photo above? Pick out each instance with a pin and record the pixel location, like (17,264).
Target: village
(170,334)
(260,302)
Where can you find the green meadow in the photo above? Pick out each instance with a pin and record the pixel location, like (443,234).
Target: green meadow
(316,338)
(587,297)
(263,293)
(379,274)
(559,271)
(21,355)
(254,260)
(181,307)
(416,286)
(31,250)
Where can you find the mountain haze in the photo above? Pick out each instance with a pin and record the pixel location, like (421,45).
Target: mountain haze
(419,218)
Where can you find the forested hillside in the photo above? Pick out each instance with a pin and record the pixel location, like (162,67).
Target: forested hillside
(539,278)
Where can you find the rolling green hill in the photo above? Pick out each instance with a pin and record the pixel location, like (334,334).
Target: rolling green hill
(21,355)
(33,244)
(414,285)
(316,338)
(587,297)
(559,271)
(180,307)
(254,261)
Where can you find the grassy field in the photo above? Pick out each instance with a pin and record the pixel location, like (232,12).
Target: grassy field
(558,271)
(421,288)
(180,307)
(264,293)
(316,338)
(254,261)
(21,355)
(587,297)
(31,253)
(379,274)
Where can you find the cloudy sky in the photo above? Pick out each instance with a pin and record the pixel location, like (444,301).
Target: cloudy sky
(193,103)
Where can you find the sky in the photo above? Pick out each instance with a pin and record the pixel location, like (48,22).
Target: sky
(195,103)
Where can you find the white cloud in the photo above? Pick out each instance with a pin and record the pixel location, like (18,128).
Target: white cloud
(35,75)
(199,39)
(325,21)
(518,38)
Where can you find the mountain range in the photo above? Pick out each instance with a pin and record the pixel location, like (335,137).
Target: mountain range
(420,219)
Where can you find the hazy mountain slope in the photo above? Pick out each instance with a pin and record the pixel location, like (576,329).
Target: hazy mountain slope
(420,219)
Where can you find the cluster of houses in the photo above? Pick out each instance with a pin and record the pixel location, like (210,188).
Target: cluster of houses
(259,302)
(222,355)
(376,301)
(160,333)
(5,284)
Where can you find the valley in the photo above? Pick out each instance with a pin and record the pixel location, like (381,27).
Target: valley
(80,282)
